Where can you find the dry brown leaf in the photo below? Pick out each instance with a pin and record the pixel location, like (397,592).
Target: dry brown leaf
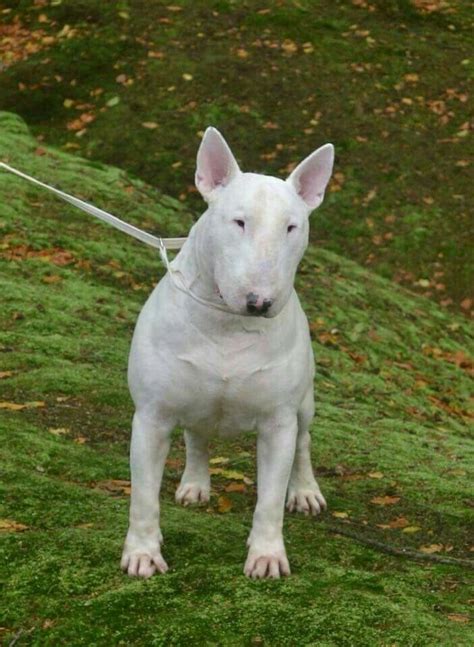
(8,525)
(224,504)
(51,278)
(458,617)
(340,515)
(399,522)
(174,463)
(14,406)
(235,487)
(4,374)
(228,474)
(385,500)
(289,46)
(114,486)
(431,548)
(375,475)
(59,431)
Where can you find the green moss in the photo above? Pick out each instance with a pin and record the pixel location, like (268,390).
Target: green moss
(392,391)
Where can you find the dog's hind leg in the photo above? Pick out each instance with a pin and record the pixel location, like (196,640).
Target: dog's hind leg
(149,449)
(304,494)
(195,483)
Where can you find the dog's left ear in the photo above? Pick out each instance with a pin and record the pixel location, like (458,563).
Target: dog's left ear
(310,177)
(216,166)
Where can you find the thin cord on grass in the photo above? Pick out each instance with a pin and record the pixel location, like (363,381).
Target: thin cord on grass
(400,552)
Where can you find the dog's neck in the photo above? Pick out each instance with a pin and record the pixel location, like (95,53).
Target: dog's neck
(194,265)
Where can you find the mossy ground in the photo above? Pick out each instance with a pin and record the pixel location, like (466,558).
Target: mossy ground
(392,389)
(386,80)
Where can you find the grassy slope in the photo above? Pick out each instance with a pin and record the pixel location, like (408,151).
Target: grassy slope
(391,399)
(386,80)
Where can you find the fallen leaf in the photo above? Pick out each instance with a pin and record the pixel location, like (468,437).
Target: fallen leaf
(174,463)
(375,475)
(385,500)
(59,431)
(289,46)
(228,474)
(8,525)
(187,77)
(235,487)
(14,406)
(411,530)
(224,504)
(431,548)
(399,522)
(114,486)
(458,617)
(80,440)
(457,472)
(151,125)
(340,515)
(219,460)
(4,374)
(51,278)
(114,101)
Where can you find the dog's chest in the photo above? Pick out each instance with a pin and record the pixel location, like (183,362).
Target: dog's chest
(228,383)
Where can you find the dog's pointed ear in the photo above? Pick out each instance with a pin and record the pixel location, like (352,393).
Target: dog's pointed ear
(310,177)
(216,166)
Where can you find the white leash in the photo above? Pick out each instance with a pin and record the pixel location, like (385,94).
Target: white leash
(162,244)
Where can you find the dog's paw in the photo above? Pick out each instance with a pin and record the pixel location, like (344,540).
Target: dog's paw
(192,492)
(141,556)
(266,563)
(306,500)
(138,563)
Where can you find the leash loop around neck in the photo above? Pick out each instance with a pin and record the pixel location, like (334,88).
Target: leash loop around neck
(162,244)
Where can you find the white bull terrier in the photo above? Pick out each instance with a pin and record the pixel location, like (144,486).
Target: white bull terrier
(230,353)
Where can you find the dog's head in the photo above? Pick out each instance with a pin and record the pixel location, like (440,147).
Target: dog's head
(257,225)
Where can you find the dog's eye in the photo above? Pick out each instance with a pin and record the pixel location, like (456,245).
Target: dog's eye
(290,228)
(241,223)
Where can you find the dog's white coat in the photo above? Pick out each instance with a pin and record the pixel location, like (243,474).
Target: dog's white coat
(212,371)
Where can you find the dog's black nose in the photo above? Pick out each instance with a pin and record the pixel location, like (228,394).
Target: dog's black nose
(257,306)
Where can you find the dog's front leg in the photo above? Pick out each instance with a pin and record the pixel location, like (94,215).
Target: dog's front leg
(275,453)
(149,449)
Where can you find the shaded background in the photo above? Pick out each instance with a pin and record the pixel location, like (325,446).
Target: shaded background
(134,83)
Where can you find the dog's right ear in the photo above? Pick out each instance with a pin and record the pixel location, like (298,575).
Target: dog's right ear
(216,166)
